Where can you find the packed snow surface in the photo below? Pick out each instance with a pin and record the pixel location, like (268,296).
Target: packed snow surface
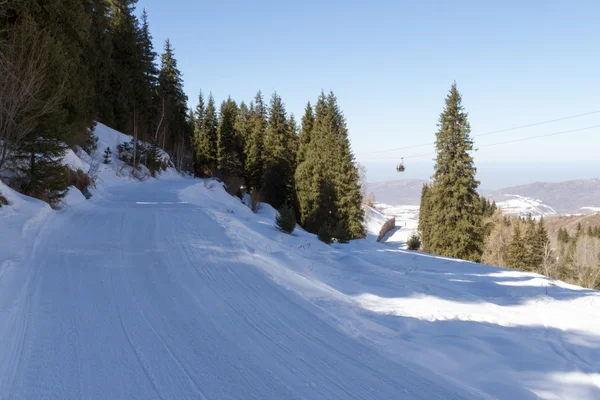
(172,289)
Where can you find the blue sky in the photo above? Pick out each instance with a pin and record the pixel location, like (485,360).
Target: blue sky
(391,63)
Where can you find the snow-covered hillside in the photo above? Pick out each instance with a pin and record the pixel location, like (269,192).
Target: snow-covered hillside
(407,222)
(522,206)
(172,289)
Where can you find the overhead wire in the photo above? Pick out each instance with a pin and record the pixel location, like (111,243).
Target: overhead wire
(507,142)
(485,133)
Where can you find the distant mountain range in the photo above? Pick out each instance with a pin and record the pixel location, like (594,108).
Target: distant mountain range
(569,197)
(540,198)
(400,192)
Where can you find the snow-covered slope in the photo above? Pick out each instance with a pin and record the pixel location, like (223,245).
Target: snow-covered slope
(373,220)
(407,221)
(522,206)
(172,289)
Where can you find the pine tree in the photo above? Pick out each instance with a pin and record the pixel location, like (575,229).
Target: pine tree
(175,132)
(207,139)
(107,155)
(124,31)
(314,184)
(346,179)
(228,158)
(534,256)
(425,221)
(308,121)
(253,149)
(457,230)
(198,120)
(242,130)
(279,157)
(286,219)
(327,181)
(517,252)
(99,59)
(147,76)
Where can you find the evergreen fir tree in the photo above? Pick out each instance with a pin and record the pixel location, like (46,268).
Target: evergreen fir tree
(286,219)
(314,184)
(228,157)
(279,157)
(242,130)
(99,59)
(147,75)
(107,155)
(175,132)
(425,216)
(517,252)
(124,31)
(327,181)
(308,121)
(207,139)
(534,256)
(253,149)
(457,230)
(346,178)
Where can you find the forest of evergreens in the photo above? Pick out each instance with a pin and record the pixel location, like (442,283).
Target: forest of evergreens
(66,64)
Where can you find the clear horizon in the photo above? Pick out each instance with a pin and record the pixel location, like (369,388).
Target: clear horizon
(391,66)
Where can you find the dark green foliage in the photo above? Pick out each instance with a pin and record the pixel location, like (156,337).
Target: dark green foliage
(175,134)
(487,207)
(534,253)
(327,181)
(414,242)
(125,77)
(228,156)
(279,157)
(325,234)
(563,235)
(107,155)
(254,143)
(40,170)
(341,233)
(91,143)
(425,213)
(308,121)
(286,219)
(517,253)
(454,226)
(206,136)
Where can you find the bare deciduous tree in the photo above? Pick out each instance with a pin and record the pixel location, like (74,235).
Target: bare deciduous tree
(26,60)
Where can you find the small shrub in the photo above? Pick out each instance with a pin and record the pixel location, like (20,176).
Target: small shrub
(91,144)
(286,220)
(325,234)
(3,201)
(414,242)
(107,155)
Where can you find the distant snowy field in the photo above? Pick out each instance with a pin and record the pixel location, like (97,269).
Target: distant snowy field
(172,289)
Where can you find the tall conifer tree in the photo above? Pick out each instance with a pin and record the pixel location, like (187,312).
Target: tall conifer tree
(228,157)
(279,157)
(456,228)
(254,145)
(308,121)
